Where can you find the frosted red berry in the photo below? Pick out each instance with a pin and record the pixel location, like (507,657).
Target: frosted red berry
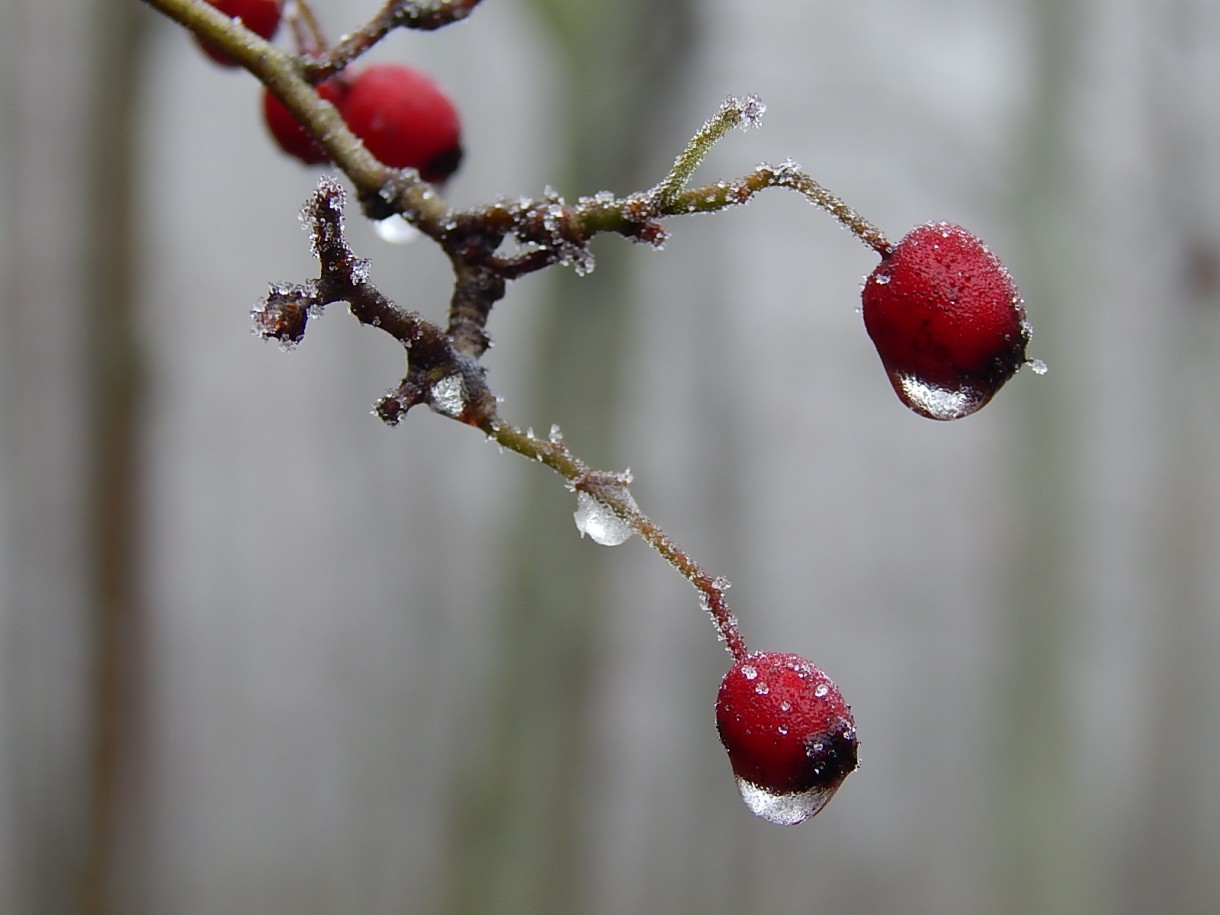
(260,16)
(405,120)
(947,321)
(288,133)
(790,737)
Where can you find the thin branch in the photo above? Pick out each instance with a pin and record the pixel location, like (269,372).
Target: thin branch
(733,111)
(610,491)
(395,14)
(453,384)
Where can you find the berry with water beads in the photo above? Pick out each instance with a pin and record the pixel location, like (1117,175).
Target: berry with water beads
(790,737)
(947,321)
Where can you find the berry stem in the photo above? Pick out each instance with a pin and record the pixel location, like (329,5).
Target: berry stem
(307,29)
(724,194)
(816,194)
(610,490)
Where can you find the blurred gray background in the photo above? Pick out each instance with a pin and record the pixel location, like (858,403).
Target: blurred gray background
(261,654)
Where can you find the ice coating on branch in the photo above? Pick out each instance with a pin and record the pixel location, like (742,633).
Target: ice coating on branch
(571,252)
(322,215)
(599,522)
(283,313)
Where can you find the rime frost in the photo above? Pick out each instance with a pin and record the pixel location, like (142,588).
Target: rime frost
(449,395)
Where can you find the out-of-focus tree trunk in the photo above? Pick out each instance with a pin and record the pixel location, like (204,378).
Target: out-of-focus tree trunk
(66,573)
(521,839)
(1038,820)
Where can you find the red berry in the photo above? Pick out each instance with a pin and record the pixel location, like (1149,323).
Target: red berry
(790,736)
(260,16)
(405,120)
(947,321)
(287,130)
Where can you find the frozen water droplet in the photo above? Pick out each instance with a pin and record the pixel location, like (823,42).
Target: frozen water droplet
(783,809)
(881,279)
(749,671)
(555,436)
(762,689)
(449,395)
(821,690)
(785,706)
(396,231)
(600,523)
(752,110)
(938,402)
(1037,366)
(782,729)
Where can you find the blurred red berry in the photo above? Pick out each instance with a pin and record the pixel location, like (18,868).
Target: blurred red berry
(260,16)
(288,132)
(405,120)
(947,321)
(790,737)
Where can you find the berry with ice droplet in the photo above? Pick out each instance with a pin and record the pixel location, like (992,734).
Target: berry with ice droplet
(947,321)
(262,17)
(405,120)
(287,131)
(790,737)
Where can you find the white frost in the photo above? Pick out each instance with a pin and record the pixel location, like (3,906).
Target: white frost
(449,395)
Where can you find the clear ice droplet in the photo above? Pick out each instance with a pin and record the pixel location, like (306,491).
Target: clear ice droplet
(1037,366)
(783,809)
(598,522)
(396,230)
(937,402)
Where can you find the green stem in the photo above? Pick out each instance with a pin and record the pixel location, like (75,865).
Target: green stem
(732,112)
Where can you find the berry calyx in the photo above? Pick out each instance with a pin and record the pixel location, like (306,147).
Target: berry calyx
(790,737)
(947,321)
(405,120)
(287,131)
(260,16)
